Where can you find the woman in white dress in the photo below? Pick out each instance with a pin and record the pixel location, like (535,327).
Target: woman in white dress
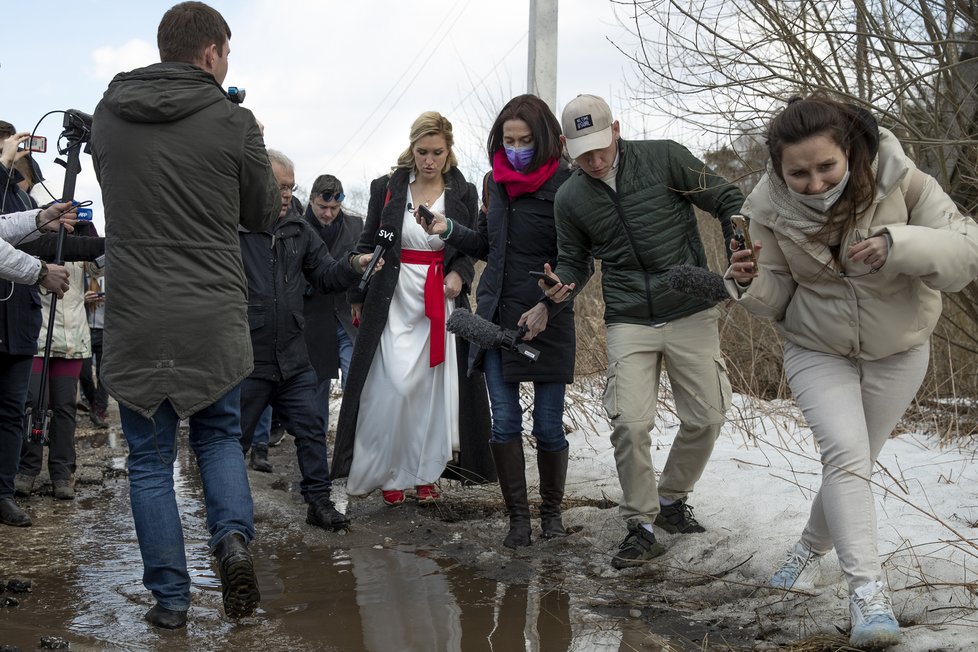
(400,423)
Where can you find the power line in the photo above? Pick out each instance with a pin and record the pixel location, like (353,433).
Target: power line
(409,67)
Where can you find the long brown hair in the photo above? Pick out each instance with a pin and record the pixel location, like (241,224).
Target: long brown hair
(851,128)
(541,121)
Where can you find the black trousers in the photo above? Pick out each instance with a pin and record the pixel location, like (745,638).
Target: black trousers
(293,401)
(15,372)
(91,388)
(62,391)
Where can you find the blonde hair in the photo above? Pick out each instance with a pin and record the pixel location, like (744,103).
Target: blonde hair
(429,123)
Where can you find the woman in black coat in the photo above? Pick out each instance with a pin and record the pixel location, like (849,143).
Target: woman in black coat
(515,236)
(400,423)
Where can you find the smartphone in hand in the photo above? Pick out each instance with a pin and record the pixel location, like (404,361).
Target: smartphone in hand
(549,280)
(742,236)
(426,214)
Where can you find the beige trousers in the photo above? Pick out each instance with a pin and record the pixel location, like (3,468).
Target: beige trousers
(852,407)
(690,349)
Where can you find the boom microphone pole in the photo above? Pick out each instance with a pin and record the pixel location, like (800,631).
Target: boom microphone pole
(77,130)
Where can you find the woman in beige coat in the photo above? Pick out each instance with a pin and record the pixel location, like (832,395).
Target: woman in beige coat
(853,247)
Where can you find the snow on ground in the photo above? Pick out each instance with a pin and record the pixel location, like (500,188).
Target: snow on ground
(754,499)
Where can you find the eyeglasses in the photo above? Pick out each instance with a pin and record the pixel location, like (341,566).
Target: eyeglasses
(288,189)
(330,196)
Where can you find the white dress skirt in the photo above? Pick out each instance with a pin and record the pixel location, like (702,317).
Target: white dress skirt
(407,424)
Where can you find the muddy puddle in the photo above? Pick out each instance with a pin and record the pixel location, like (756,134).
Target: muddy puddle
(84,565)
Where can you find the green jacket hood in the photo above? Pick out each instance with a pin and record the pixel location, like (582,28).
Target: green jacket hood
(162,92)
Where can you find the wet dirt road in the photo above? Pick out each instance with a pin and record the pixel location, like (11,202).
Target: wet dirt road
(412,578)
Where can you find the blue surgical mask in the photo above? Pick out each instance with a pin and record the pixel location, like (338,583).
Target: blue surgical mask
(823,201)
(519,157)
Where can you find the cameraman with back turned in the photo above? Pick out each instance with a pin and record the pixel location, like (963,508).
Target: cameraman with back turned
(181,166)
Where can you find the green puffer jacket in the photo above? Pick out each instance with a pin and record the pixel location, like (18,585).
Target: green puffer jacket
(642,230)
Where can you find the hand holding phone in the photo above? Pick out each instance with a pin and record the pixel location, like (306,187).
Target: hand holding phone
(742,236)
(36,144)
(546,278)
(426,214)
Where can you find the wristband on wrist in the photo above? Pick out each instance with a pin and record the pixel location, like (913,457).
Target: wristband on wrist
(448,230)
(44,271)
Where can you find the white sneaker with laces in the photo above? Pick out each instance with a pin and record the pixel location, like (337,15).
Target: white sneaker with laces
(800,570)
(873,622)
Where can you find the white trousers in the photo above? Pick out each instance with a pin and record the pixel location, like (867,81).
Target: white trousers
(852,407)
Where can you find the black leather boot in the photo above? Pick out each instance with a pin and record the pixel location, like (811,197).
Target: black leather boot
(511,470)
(259,458)
(553,475)
(160,616)
(12,514)
(322,513)
(239,587)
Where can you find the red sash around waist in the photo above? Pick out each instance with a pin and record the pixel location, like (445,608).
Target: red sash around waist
(434,297)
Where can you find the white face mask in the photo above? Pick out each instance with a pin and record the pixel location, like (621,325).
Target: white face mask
(823,201)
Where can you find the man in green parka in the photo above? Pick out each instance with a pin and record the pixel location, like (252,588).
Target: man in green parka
(181,166)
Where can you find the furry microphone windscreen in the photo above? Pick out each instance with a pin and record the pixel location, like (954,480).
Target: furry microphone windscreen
(697,282)
(473,328)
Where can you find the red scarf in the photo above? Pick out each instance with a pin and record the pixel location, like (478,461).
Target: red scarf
(518,183)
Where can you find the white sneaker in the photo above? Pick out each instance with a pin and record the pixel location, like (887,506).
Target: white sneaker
(800,570)
(873,622)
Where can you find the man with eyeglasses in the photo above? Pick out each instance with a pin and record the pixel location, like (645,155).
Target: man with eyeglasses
(330,332)
(281,263)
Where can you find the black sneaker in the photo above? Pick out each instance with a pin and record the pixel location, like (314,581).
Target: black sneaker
(323,513)
(276,433)
(638,547)
(678,518)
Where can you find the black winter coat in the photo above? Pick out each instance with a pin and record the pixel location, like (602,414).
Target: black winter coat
(474,463)
(279,263)
(516,236)
(323,310)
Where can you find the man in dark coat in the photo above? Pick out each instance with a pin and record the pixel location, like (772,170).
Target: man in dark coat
(181,166)
(280,262)
(330,333)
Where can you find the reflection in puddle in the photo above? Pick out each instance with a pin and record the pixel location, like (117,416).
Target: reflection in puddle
(313,597)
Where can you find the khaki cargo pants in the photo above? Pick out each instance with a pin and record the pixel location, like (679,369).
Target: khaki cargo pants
(690,349)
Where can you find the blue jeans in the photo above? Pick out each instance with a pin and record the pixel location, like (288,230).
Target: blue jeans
(214,438)
(293,402)
(263,429)
(507,415)
(344,349)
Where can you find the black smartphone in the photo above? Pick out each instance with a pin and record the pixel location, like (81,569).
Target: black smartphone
(742,236)
(426,214)
(549,280)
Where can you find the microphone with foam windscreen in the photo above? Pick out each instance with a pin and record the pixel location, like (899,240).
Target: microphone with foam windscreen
(386,235)
(697,282)
(488,335)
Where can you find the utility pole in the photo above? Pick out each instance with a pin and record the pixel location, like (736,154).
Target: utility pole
(541,68)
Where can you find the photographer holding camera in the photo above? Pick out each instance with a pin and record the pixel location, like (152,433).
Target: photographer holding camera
(18,343)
